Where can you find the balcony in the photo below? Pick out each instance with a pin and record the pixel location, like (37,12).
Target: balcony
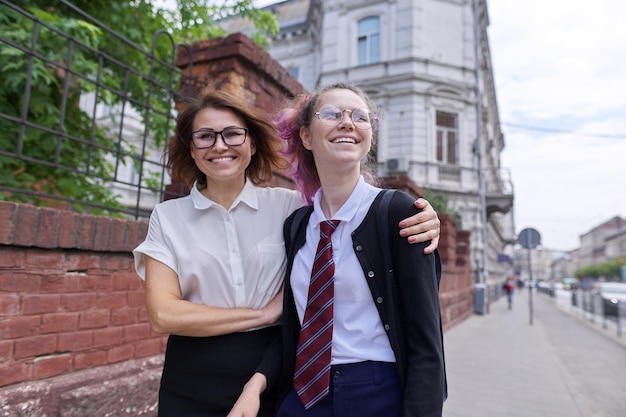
(499,194)
(498,203)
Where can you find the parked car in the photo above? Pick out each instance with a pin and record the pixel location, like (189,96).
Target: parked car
(611,293)
(570,283)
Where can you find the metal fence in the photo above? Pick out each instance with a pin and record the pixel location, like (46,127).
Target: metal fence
(81,127)
(609,313)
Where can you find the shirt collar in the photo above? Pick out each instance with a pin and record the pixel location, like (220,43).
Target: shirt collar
(247,196)
(349,208)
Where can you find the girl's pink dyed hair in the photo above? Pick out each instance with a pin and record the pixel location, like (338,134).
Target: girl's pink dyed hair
(299,113)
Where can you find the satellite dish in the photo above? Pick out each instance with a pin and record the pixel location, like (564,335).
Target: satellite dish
(529,238)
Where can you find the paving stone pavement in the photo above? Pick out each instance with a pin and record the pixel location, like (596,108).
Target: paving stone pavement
(501,365)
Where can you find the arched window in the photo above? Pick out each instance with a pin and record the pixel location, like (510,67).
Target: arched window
(369,40)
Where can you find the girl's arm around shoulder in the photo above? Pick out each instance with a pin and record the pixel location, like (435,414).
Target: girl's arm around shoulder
(423,226)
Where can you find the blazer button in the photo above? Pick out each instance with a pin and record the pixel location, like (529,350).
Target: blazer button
(370,274)
(387,327)
(359,248)
(379,300)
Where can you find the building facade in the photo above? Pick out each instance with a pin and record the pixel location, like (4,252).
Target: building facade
(536,264)
(604,242)
(433,84)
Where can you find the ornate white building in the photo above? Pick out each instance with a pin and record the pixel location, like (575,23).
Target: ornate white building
(433,83)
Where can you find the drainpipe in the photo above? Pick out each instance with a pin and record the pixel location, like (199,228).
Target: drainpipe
(481,287)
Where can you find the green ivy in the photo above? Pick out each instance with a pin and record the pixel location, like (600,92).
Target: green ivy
(74,164)
(439,202)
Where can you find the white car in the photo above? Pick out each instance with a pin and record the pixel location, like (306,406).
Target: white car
(611,293)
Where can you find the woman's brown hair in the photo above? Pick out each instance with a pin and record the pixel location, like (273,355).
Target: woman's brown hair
(260,130)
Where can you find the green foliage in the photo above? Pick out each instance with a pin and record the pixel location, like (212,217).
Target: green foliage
(53,145)
(440,204)
(610,270)
(195,19)
(48,143)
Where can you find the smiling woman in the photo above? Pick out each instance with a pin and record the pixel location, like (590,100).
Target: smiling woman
(213,263)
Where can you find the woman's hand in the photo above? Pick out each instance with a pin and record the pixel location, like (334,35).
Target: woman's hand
(422,226)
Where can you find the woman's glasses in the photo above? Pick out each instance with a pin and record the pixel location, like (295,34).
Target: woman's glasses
(206,138)
(332,116)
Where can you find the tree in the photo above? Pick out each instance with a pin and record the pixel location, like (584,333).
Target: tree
(610,270)
(55,54)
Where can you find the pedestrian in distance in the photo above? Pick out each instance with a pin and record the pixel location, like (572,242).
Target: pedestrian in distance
(509,289)
(214,262)
(362,334)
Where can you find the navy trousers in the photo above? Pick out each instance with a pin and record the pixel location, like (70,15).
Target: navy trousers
(363,389)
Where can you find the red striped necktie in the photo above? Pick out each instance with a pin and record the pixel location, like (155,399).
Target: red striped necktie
(312,373)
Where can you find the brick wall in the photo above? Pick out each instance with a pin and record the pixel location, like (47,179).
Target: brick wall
(70,303)
(456,287)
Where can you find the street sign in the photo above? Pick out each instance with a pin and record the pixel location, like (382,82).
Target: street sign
(529,238)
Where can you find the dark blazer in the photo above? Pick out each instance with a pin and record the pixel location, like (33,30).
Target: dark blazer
(407,301)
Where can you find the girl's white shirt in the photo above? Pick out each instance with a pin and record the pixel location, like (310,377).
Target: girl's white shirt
(223,258)
(358,333)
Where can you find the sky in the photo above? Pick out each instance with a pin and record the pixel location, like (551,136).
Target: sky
(560,65)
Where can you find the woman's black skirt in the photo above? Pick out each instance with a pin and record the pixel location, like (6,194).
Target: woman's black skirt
(204,376)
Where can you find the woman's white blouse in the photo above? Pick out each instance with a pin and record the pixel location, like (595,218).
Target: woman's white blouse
(223,258)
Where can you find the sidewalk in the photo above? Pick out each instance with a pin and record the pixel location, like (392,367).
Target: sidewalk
(499,365)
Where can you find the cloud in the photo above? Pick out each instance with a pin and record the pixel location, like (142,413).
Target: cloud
(561,64)
(561,54)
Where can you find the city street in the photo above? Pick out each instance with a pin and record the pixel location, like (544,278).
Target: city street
(561,365)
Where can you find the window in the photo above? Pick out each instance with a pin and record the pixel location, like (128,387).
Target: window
(369,40)
(447,132)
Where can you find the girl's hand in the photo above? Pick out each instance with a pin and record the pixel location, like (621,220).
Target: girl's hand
(249,402)
(422,226)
